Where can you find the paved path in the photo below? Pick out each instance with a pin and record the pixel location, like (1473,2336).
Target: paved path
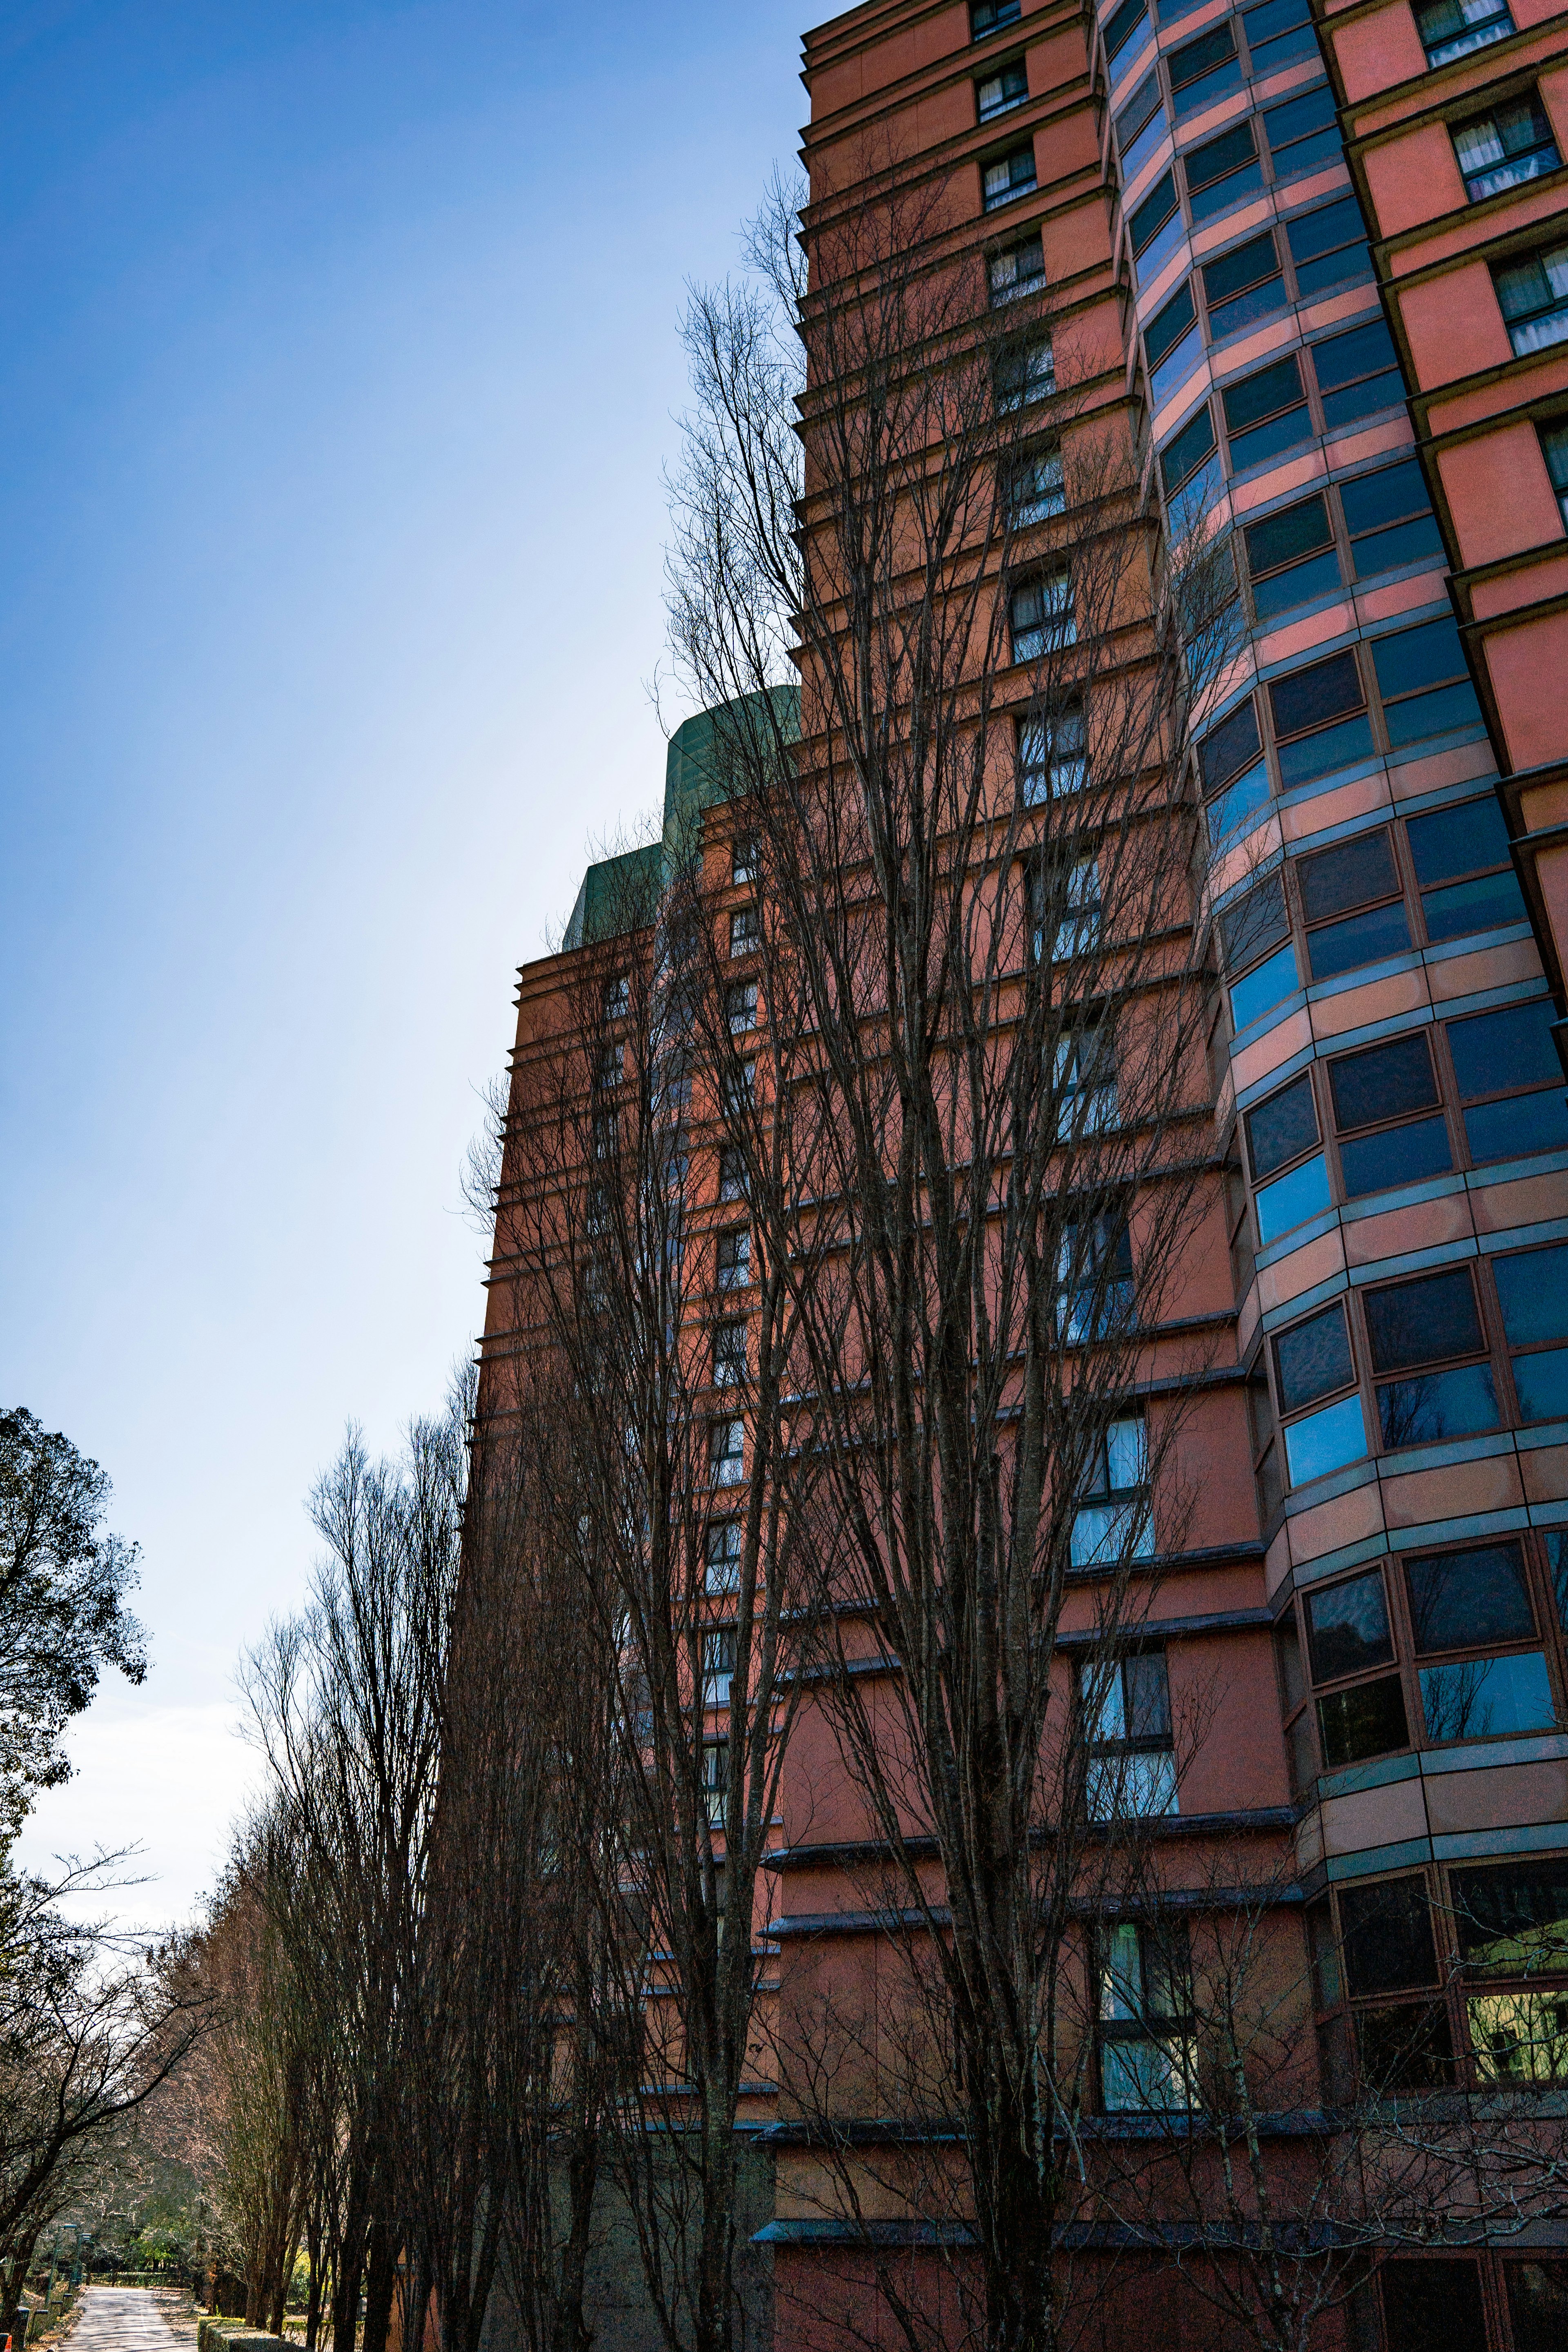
(130,2319)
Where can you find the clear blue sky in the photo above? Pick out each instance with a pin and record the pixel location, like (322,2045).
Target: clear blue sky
(338,364)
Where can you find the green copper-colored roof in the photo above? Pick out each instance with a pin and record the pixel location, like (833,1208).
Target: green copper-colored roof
(620,894)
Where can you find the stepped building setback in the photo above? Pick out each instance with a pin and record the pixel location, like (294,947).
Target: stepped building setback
(1321,252)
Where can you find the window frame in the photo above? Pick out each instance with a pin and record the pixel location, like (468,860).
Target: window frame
(998,70)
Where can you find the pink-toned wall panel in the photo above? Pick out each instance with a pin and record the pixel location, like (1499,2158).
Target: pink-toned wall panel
(1454,325)
(1414,179)
(1528,667)
(1378,51)
(1500,493)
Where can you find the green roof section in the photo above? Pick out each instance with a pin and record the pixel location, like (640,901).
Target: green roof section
(620,894)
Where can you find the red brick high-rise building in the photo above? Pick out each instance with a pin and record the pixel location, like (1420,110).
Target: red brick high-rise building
(1320,254)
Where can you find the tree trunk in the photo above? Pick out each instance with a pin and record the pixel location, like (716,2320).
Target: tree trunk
(381,2279)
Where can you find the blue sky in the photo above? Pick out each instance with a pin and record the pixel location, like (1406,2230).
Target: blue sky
(338,367)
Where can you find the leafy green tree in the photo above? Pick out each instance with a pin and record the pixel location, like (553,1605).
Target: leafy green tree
(63,1614)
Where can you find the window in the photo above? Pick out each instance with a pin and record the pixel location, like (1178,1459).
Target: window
(1389,519)
(1015,271)
(1389,1949)
(741,1007)
(1052,755)
(610,1067)
(1435,2300)
(1168,326)
(1537,2304)
(1265,414)
(1348,1635)
(1223,172)
(727,1453)
(729,1355)
(1320,720)
(1026,375)
(617,997)
(1115,1523)
(1424,686)
(990,16)
(1009,175)
(1203,70)
(1388,1117)
(1126,1705)
(1328,250)
(745,932)
(718,1664)
(1086,1081)
(1303,134)
(1033,487)
(1312,1363)
(1500,149)
(1186,450)
(1532,294)
(1147,220)
(1450,28)
(738,1084)
(723,1556)
(1243,286)
(1506,1054)
(1467,1601)
(1356,874)
(1251,928)
(1417,1329)
(1276,34)
(1147,2057)
(1065,899)
(1279,1131)
(732,1174)
(1462,863)
(1358,375)
(1290,557)
(1140,127)
(1001,91)
(1512,1923)
(715,1780)
(1094,1278)
(1127,29)
(1532,1289)
(1555,449)
(1041,615)
(735,1260)
(745,858)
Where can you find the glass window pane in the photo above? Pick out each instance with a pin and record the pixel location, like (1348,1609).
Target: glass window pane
(1482,1697)
(1537,2304)
(1453,841)
(1308,698)
(1217,157)
(1281,1127)
(1351,874)
(1390,495)
(1303,1193)
(1490,903)
(1520,2037)
(1412,658)
(1245,265)
(1423,1322)
(1384,1081)
(1407,2046)
(1494,1052)
(1286,537)
(1397,1155)
(1512,1917)
(1366,1720)
(1169,324)
(1347,1628)
(1325,1442)
(1361,938)
(1185,452)
(1266,986)
(1437,1406)
(1325,230)
(1331,747)
(1514,1129)
(1543,1385)
(1387,1933)
(1400,543)
(1460,1599)
(1263,395)
(1426,2304)
(1345,359)
(1229,747)
(1251,925)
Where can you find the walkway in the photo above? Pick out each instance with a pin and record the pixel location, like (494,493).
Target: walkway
(130,2319)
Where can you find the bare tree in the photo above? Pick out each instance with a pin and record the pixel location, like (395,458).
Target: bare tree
(996,1218)
(346,1702)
